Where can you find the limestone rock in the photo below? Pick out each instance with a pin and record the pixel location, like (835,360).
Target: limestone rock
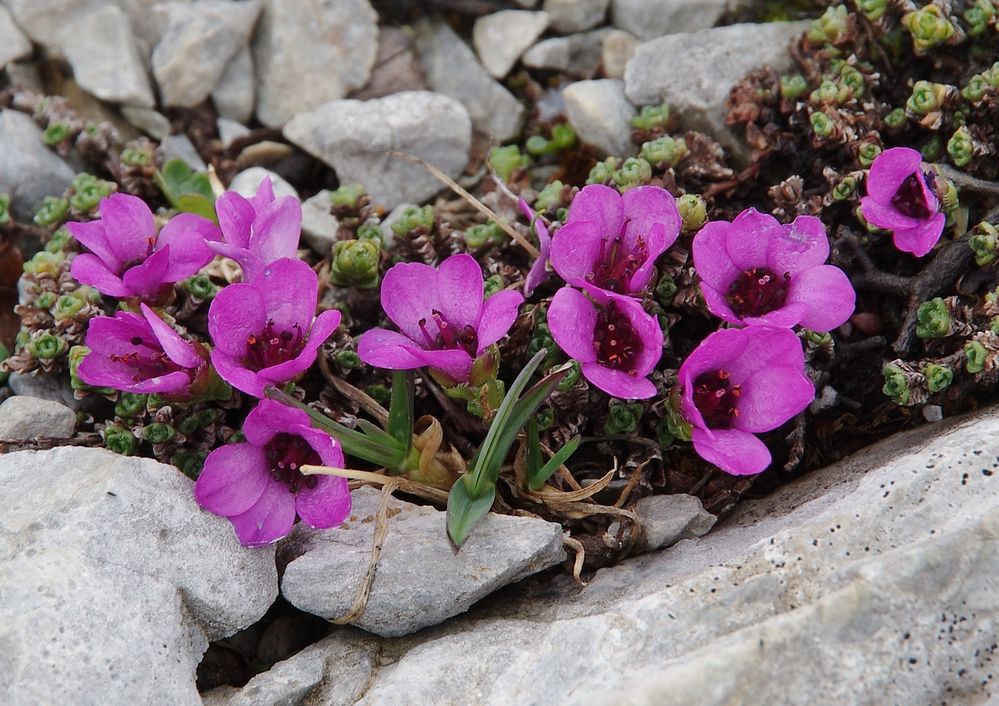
(601,114)
(500,38)
(575,15)
(420,581)
(55,388)
(616,51)
(648,19)
(452,68)
(576,54)
(319,226)
(354,136)
(396,67)
(230,131)
(31,171)
(235,94)
(180,147)
(13,44)
(30,418)
(113,580)
(310,52)
(152,122)
(666,519)
(247,181)
(199,42)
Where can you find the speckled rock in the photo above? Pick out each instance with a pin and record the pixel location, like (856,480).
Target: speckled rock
(601,114)
(30,418)
(500,38)
(31,171)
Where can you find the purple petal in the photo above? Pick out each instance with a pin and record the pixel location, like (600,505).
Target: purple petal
(576,250)
(277,229)
(128,225)
(92,236)
(649,333)
(889,170)
(409,295)
(718,305)
(324,326)
(290,290)
(186,234)
(236,216)
(264,195)
(711,259)
(236,313)
(270,418)
(618,383)
(749,238)
(646,207)
(887,217)
(456,363)
(91,270)
(655,245)
(322,443)
(326,505)
(181,352)
(459,289)
(785,316)
(828,294)
(920,240)
(572,319)
(716,352)
(539,269)
(233,479)
(388,349)
(771,396)
(798,246)
(765,347)
(498,314)
(600,205)
(164,384)
(270,518)
(232,370)
(99,370)
(115,335)
(148,278)
(252,266)
(732,450)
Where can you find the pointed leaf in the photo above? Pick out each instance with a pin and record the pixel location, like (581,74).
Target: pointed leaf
(536,481)
(533,456)
(400,421)
(465,509)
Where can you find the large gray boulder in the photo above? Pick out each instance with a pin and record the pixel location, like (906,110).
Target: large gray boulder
(648,19)
(113,580)
(29,171)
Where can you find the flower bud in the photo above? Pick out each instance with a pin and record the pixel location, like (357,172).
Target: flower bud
(896,387)
(507,160)
(983,242)
(929,27)
(158,433)
(845,188)
(664,151)
(946,191)
(652,118)
(130,405)
(693,212)
(933,319)
(961,146)
(976,353)
(484,367)
(623,418)
(603,171)
(355,263)
(634,172)
(55,133)
(347,196)
(52,211)
(47,346)
(938,377)
(831,28)
(872,9)
(414,218)
(792,86)
(119,439)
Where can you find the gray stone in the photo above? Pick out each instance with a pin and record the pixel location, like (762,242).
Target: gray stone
(702,69)
(55,388)
(648,19)
(396,67)
(616,51)
(354,136)
(113,580)
(200,41)
(601,114)
(230,131)
(577,54)
(570,16)
(13,44)
(263,154)
(500,38)
(247,181)
(388,235)
(236,92)
(452,68)
(147,21)
(152,122)
(419,581)
(666,519)
(30,418)
(180,147)
(24,76)
(30,171)
(310,52)
(319,226)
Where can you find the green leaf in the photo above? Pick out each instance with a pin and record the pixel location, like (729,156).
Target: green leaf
(465,509)
(400,420)
(198,205)
(535,481)
(533,456)
(186,190)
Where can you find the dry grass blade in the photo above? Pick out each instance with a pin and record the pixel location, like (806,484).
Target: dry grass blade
(580,552)
(481,207)
(420,490)
(548,494)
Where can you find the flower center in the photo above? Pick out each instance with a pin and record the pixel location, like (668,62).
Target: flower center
(757,291)
(271,347)
(286,454)
(151,364)
(447,336)
(615,340)
(716,399)
(909,198)
(616,268)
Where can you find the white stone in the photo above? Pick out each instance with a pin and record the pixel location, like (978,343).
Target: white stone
(319,226)
(30,171)
(570,16)
(577,54)
(666,519)
(601,114)
(180,147)
(354,137)
(200,41)
(452,69)
(420,580)
(310,52)
(30,418)
(151,122)
(113,580)
(235,94)
(230,131)
(616,51)
(13,44)
(53,387)
(248,181)
(500,38)
(648,19)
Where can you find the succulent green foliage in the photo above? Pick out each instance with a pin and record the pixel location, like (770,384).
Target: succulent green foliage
(961,146)
(623,418)
(896,118)
(693,212)
(414,218)
(4,209)
(563,137)
(4,355)
(190,463)
(872,9)
(347,196)
(130,405)
(634,172)
(138,157)
(119,440)
(978,16)
(846,188)
(652,118)
(929,27)
(47,346)
(664,151)
(507,160)
(933,319)
(938,377)
(983,242)
(602,172)
(792,86)
(52,212)
(55,133)
(355,263)
(348,359)
(550,197)
(88,191)
(927,97)
(896,387)
(492,285)
(200,287)
(976,354)
(483,234)
(831,27)
(187,190)
(370,231)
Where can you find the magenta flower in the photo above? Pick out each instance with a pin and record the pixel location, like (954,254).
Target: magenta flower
(259,230)
(257,485)
(616,342)
(900,198)
(737,383)
(756,271)
(128,258)
(612,240)
(539,270)
(444,323)
(266,331)
(142,354)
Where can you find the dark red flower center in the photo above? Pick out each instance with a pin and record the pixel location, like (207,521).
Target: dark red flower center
(716,399)
(757,291)
(147,364)
(286,454)
(447,336)
(272,347)
(615,340)
(617,265)
(909,198)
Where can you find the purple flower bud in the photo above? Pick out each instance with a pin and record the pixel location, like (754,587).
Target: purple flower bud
(444,323)
(259,230)
(128,258)
(900,198)
(539,270)
(142,354)
(266,331)
(756,271)
(616,342)
(741,382)
(258,486)
(612,240)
